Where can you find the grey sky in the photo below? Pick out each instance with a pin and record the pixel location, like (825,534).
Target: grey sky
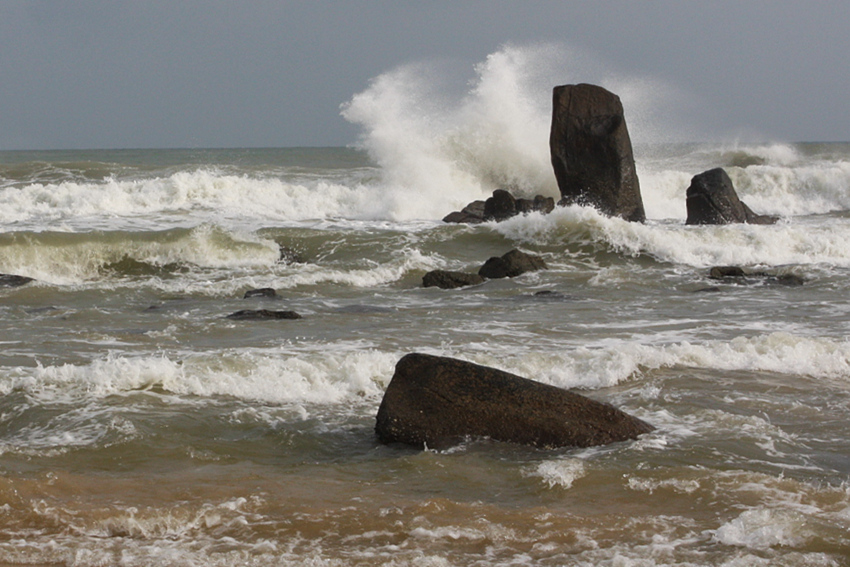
(191,73)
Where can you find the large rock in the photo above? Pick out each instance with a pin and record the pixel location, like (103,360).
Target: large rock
(511,265)
(592,153)
(436,402)
(711,199)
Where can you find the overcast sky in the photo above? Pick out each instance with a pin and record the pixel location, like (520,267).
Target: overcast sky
(191,73)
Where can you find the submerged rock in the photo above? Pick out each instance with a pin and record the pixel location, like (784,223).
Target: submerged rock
(11,280)
(592,153)
(711,199)
(436,402)
(445,279)
(266,292)
(511,265)
(719,272)
(737,274)
(262,314)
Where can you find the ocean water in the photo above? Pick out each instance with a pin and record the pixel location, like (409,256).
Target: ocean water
(140,426)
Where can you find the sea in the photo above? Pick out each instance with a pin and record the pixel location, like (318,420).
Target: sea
(139,426)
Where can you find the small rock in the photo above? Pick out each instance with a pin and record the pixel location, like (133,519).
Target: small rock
(511,265)
(501,206)
(450,280)
(711,199)
(262,314)
(262,292)
(473,213)
(720,272)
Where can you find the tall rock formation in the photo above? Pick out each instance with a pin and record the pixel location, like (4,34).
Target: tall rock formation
(592,153)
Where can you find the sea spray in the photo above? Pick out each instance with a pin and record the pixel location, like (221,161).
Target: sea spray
(439,152)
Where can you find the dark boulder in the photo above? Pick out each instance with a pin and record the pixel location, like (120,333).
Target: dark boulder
(511,265)
(436,402)
(711,199)
(500,206)
(11,280)
(262,314)
(592,153)
(539,203)
(445,279)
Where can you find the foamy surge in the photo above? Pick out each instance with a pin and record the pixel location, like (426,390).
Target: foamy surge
(340,372)
(202,195)
(793,242)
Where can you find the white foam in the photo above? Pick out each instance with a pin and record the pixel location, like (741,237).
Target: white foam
(205,195)
(787,243)
(561,472)
(763,528)
(329,375)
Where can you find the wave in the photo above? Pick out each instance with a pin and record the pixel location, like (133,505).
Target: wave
(202,195)
(345,371)
(806,242)
(72,258)
(210,259)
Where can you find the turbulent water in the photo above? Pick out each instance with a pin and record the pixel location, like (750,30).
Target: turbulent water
(140,426)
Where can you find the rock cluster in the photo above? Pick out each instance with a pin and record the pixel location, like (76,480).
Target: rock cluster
(594,165)
(500,206)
